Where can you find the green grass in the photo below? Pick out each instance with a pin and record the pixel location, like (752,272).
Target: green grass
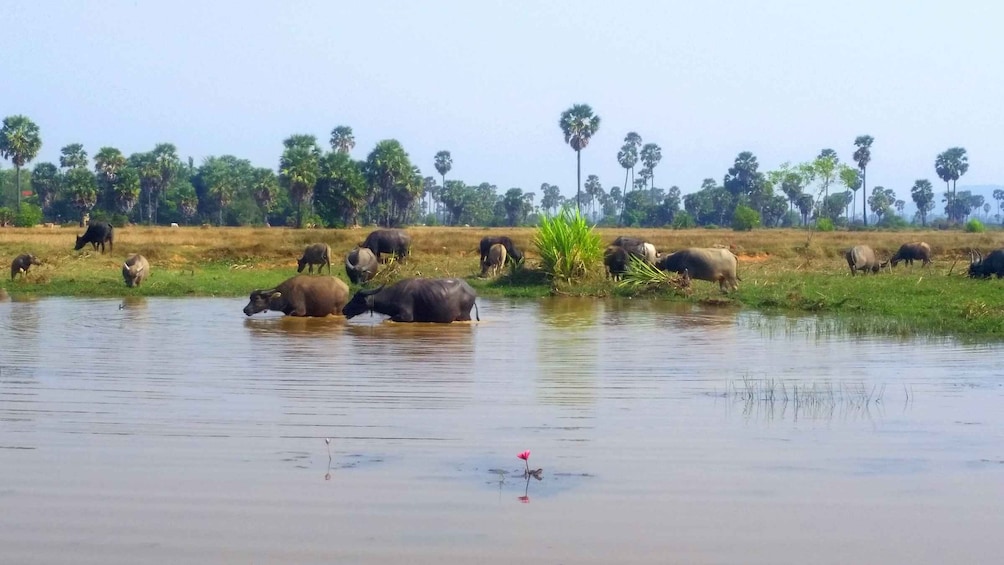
(569,248)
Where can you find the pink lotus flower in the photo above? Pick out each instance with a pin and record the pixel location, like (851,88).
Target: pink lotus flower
(525,456)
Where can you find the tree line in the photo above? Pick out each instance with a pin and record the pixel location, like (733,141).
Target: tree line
(315,186)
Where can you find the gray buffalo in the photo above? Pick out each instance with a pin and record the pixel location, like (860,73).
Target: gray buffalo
(418,300)
(512,252)
(315,254)
(713,264)
(98,233)
(392,241)
(910,252)
(862,258)
(22,263)
(616,259)
(361,265)
(981,267)
(135,269)
(493,264)
(301,295)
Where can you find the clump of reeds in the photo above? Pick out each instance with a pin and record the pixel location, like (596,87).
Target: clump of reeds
(820,400)
(567,245)
(642,275)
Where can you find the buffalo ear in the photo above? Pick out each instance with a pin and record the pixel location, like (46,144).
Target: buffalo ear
(274,294)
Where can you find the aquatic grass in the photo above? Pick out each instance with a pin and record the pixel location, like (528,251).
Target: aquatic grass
(567,245)
(773,398)
(641,275)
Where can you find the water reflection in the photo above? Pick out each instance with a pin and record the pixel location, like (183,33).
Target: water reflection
(288,326)
(566,352)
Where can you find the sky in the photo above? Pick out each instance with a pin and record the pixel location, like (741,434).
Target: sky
(488,81)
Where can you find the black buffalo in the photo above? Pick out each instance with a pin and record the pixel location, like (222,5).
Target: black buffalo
(512,252)
(981,267)
(910,252)
(638,248)
(22,263)
(616,259)
(392,241)
(302,295)
(418,300)
(97,234)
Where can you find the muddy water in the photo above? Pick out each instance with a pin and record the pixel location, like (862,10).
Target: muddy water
(178,431)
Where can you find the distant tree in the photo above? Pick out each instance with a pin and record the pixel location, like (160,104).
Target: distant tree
(341,192)
(633,140)
(923,196)
(124,190)
(394,182)
(999,197)
(456,197)
(881,201)
(578,124)
(825,170)
(550,199)
(829,154)
(517,206)
(19,143)
(900,205)
(863,156)
(46,182)
(342,140)
(73,156)
(774,210)
(81,190)
(950,165)
(107,164)
(835,205)
(299,168)
(804,203)
(986,211)
(161,167)
(223,177)
(443,163)
(628,158)
(852,180)
(264,190)
(593,190)
(651,154)
(792,184)
(616,196)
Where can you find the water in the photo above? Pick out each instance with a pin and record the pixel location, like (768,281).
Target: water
(178,431)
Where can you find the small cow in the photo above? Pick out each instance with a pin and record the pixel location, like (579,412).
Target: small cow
(22,263)
(316,254)
(135,270)
(862,258)
(495,261)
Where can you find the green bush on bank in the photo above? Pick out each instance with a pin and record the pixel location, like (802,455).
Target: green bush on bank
(567,245)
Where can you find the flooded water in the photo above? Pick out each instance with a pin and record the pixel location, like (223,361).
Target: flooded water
(179,431)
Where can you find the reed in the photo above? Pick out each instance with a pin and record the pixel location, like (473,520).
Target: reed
(568,247)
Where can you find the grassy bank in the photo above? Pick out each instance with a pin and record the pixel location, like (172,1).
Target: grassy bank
(782,270)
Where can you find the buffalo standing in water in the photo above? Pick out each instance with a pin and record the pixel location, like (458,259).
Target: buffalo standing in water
(418,300)
(302,295)
(97,234)
(910,252)
(392,241)
(361,265)
(512,252)
(22,263)
(707,264)
(135,269)
(862,258)
(316,254)
(983,267)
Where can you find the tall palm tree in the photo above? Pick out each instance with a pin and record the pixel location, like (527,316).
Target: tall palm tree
(863,156)
(264,189)
(951,165)
(73,156)
(342,140)
(46,182)
(443,162)
(634,140)
(107,164)
(651,154)
(579,124)
(299,168)
(628,158)
(19,142)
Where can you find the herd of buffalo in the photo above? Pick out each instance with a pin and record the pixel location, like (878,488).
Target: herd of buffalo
(450,300)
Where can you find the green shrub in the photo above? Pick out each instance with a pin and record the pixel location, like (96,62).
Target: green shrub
(6,216)
(684,220)
(745,218)
(30,215)
(567,245)
(824,224)
(975,226)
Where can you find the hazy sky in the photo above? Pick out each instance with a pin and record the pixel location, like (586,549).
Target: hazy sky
(488,81)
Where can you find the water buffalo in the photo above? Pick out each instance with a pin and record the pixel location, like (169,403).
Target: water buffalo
(361,265)
(862,258)
(713,264)
(21,263)
(910,252)
(392,241)
(512,252)
(97,234)
(315,254)
(135,269)
(637,247)
(616,260)
(302,295)
(496,260)
(983,267)
(418,300)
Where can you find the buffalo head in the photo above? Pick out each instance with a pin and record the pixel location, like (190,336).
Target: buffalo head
(260,300)
(361,302)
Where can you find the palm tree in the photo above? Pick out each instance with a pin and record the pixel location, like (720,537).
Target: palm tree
(863,156)
(19,142)
(579,124)
(999,197)
(628,158)
(634,140)
(593,191)
(299,167)
(923,196)
(395,181)
(45,181)
(81,189)
(443,162)
(951,165)
(651,154)
(852,181)
(342,140)
(264,189)
(107,164)
(73,156)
